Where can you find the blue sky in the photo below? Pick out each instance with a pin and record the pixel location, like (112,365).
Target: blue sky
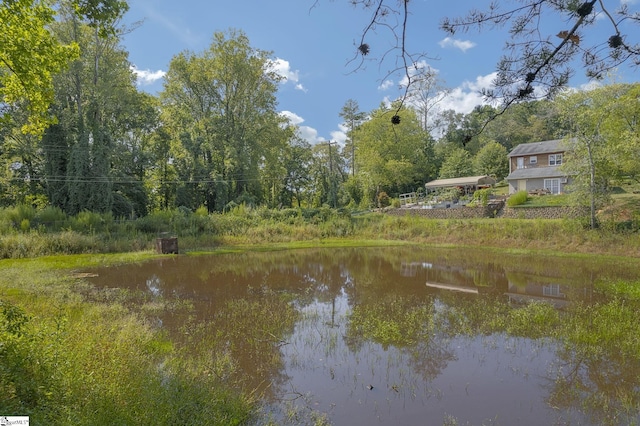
(314,42)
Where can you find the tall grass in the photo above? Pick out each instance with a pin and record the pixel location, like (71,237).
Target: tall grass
(27,232)
(517,199)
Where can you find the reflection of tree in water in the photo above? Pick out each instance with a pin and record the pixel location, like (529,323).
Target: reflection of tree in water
(600,371)
(430,358)
(406,323)
(605,387)
(245,336)
(599,352)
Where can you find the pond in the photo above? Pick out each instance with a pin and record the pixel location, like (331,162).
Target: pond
(407,335)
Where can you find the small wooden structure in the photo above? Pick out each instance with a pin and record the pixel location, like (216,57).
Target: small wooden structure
(167,245)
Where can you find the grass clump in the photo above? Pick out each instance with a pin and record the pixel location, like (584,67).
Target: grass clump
(517,199)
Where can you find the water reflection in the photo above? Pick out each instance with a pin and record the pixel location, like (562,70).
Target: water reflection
(398,336)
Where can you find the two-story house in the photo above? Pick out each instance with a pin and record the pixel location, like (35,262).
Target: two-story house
(535,166)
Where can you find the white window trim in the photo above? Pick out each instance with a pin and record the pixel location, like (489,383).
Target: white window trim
(533,159)
(557,159)
(552,185)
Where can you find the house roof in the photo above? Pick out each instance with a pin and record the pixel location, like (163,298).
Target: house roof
(537,173)
(463,181)
(535,148)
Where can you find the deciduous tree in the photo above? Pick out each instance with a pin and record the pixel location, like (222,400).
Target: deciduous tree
(492,160)
(30,55)
(391,158)
(595,123)
(221,106)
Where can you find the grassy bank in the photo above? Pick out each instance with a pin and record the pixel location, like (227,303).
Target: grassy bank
(71,354)
(26,233)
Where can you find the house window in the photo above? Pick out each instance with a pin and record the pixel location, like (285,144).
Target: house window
(533,159)
(553,185)
(552,290)
(555,159)
(520,164)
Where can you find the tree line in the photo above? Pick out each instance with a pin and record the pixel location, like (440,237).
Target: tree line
(213,137)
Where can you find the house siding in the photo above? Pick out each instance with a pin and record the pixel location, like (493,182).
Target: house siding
(533,184)
(530,175)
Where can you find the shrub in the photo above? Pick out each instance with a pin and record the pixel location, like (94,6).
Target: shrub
(15,215)
(481,197)
(383,199)
(51,217)
(87,221)
(517,199)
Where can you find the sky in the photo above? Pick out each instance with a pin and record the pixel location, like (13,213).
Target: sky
(313,44)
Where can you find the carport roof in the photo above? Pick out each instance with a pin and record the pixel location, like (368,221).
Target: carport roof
(463,181)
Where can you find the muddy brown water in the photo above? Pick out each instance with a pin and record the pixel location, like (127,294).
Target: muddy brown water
(381,370)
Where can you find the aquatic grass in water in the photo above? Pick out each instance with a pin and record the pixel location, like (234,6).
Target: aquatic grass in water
(622,289)
(398,322)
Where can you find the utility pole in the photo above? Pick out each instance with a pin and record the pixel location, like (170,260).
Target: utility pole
(332,186)
(353,150)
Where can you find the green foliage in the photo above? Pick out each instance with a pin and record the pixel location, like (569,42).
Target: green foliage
(535,320)
(51,217)
(30,56)
(15,217)
(517,199)
(383,199)
(449,194)
(481,197)
(458,163)
(620,289)
(492,160)
(88,222)
(248,143)
(391,159)
(400,322)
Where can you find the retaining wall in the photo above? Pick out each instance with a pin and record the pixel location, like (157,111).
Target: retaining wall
(492,210)
(543,212)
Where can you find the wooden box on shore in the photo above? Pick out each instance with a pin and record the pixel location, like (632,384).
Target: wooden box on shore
(167,245)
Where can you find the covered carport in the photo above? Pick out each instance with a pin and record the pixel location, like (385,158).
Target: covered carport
(468,185)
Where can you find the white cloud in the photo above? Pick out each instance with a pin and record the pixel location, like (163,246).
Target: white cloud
(309,134)
(340,135)
(305,132)
(147,77)
(420,67)
(293,118)
(463,45)
(385,85)
(467,96)
(283,69)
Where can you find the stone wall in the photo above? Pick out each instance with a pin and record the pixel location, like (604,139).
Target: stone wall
(456,212)
(492,210)
(542,212)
